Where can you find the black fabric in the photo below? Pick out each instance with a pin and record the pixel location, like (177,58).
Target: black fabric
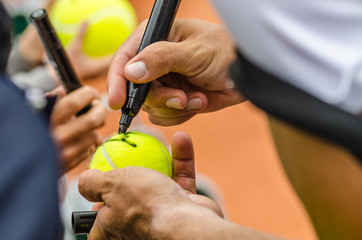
(297,107)
(5,37)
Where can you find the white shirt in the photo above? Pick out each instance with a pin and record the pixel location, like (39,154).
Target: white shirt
(316,45)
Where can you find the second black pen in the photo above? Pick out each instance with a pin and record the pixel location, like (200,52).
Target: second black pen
(56,54)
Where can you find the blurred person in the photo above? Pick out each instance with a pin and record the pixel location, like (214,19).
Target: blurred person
(73,136)
(28,182)
(293,63)
(28,176)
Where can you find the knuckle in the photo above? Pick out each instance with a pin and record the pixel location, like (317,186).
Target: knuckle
(95,121)
(72,102)
(147,108)
(60,137)
(91,91)
(93,140)
(69,154)
(160,54)
(82,183)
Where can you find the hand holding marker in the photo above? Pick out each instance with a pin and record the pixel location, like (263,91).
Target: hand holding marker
(158,28)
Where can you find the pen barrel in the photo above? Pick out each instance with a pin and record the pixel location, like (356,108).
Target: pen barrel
(160,22)
(158,29)
(82,221)
(55,51)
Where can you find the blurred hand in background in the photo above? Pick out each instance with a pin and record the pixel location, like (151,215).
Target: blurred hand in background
(76,136)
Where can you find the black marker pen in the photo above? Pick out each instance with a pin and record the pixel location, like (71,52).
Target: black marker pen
(158,28)
(56,54)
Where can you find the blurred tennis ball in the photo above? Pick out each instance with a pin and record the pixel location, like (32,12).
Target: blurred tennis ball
(110,22)
(132,149)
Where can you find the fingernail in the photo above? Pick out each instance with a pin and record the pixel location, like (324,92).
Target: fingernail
(173,103)
(137,70)
(194,104)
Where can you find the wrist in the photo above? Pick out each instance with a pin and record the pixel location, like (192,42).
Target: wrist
(186,221)
(189,221)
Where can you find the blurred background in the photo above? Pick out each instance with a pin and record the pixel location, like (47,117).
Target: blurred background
(238,155)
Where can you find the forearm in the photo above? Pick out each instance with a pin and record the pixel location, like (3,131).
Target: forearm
(193,222)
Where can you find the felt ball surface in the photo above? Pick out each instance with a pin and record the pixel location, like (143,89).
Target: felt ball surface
(110,22)
(132,149)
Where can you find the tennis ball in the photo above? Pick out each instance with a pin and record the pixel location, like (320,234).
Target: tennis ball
(110,22)
(132,149)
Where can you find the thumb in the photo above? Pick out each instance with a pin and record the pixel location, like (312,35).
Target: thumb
(156,60)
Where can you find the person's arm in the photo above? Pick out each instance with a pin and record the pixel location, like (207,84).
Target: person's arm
(191,68)
(141,203)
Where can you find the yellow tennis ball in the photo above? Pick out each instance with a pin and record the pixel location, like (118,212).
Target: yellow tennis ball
(132,149)
(110,22)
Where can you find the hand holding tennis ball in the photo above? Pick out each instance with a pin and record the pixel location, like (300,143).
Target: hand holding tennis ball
(128,197)
(132,149)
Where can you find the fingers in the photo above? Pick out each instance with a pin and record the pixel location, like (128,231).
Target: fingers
(93,184)
(75,136)
(116,81)
(59,92)
(183,161)
(195,49)
(157,60)
(200,52)
(184,170)
(162,121)
(73,103)
(78,150)
(172,102)
(160,96)
(170,106)
(97,206)
(84,124)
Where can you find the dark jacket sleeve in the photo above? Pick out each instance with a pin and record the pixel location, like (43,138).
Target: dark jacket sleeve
(28,162)
(28,172)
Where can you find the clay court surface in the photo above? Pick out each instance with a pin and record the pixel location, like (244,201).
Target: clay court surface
(239,155)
